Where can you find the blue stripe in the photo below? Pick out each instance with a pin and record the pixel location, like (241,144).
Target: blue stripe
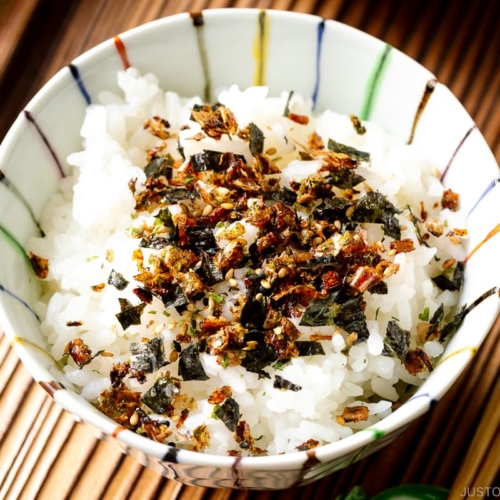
(321,30)
(25,304)
(76,75)
(491,185)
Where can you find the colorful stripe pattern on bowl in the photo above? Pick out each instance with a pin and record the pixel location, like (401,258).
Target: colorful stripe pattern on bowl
(120,47)
(261,48)
(75,73)
(321,31)
(23,302)
(199,23)
(57,163)
(374,82)
(13,189)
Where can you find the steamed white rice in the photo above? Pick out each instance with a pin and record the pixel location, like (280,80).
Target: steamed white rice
(88,233)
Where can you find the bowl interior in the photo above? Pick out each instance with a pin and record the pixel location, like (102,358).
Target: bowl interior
(339,68)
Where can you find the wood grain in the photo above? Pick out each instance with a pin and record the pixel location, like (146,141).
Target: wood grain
(46,455)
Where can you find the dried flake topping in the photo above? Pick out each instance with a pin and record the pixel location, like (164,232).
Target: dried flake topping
(355,413)
(119,403)
(74,323)
(40,266)
(220,395)
(157,126)
(215,122)
(308,445)
(402,246)
(300,119)
(358,126)
(80,352)
(201,437)
(435,227)
(417,361)
(450,200)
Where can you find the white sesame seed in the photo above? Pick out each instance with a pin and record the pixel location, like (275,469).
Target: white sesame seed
(233,282)
(207,210)
(265,284)
(282,272)
(211,303)
(227,206)
(134,419)
(229,274)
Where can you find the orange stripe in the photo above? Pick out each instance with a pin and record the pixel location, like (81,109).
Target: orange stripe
(490,235)
(122,52)
(118,430)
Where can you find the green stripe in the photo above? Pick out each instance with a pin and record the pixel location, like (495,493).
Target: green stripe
(12,241)
(373,83)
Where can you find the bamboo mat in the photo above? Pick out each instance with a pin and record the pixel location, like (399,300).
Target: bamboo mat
(45,455)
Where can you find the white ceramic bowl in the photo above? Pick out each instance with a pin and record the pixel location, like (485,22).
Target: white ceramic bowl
(340,68)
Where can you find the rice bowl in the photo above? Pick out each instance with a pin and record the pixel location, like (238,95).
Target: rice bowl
(405,100)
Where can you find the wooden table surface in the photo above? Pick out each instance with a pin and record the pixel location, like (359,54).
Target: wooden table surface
(45,454)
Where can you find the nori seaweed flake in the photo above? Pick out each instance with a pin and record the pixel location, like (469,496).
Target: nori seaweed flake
(190,367)
(319,312)
(117,280)
(396,341)
(159,397)
(375,207)
(345,178)
(284,384)
(173,195)
(349,315)
(208,272)
(148,357)
(309,347)
(256,139)
(175,297)
(214,160)
(159,166)
(202,239)
(286,195)
(353,153)
(130,315)
(455,284)
(263,355)
(155,242)
(229,413)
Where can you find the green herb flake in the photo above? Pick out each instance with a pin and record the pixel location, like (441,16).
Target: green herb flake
(424,316)
(218,299)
